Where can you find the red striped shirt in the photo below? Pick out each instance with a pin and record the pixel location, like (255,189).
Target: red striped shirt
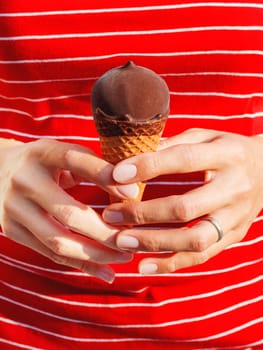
(211,56)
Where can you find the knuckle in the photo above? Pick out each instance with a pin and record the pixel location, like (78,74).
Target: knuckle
(37,147)
(17,182)
(45,149)
(189,155)
(66,156)
(199,243)
(71,155)
(152,163)
(56,247)
(238,152)
(171,266)
(136,214)
(151,244)
(46,143)
(65,214)
(182,209)
(43,143)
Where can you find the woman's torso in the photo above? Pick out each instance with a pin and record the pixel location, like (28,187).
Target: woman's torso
(211,56)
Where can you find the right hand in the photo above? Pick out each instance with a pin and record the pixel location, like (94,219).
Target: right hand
(37,212)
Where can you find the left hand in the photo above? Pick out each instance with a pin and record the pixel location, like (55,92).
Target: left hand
(232,194)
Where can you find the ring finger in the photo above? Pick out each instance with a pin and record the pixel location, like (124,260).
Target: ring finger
(184,259)
(196,238)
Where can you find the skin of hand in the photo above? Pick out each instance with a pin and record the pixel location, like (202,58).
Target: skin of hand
(232,193)
(36,211)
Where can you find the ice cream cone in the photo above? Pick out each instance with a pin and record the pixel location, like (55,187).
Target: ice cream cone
(122,139)
(130,106)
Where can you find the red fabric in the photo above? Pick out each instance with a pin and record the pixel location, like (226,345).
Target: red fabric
(211,55)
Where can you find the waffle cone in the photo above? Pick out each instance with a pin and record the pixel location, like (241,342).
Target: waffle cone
(122,139)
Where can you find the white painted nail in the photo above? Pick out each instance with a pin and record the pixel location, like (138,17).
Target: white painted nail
(129,191)
(124,172)
(148,269)
(106,275)
(127,242)
(112,216)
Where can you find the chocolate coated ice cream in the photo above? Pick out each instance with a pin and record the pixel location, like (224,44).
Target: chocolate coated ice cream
(130,93)
(130,107)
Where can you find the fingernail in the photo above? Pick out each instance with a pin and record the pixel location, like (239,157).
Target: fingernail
(129,191)
(112,216)
(124,257)
(106,275)
(127,242)
(148,269)
(124,172)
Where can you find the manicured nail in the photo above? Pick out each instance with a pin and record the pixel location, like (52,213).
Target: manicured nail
(148,269)
(129,191)
(124,257)
(103,273)
(127,242)
(124,172)
(112,216)
(106,275)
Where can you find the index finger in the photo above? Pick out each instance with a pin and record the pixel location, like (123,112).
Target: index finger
(76,158)
(84,163)
(183,158)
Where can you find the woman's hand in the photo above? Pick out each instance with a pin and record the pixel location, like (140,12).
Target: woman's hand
(36,212)
(232,193)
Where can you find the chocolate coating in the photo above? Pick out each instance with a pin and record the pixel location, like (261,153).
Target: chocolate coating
(130,93)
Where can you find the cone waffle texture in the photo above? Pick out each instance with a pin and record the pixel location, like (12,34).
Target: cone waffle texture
(121,139)
(117,148)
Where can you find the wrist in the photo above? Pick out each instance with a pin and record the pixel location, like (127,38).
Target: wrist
(6,143)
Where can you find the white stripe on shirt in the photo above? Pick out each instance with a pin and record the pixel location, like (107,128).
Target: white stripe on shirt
(56,137)
(175,93)
(182,74)
(171,116)
(33,269)
(116,340)
(150,304)
(130,33)
(134,54)
(19,345)
(133,9)
(199,318)
(41,99)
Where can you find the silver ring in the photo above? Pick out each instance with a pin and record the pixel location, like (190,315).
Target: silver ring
(216,224)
